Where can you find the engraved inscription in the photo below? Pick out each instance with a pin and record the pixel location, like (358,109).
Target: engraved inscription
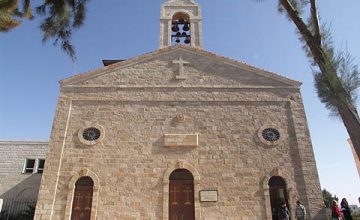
(181,140)
(208,196)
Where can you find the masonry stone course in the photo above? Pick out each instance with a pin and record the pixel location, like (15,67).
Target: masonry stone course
(225,110)
(198,72)
(179,107)
(15,184)
(13,157)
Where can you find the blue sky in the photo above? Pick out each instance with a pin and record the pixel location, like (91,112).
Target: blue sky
(246,30)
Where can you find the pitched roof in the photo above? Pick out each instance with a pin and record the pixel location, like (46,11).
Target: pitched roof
(199,51)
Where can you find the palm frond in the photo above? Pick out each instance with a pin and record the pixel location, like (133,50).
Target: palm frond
(298,5)
(8,23)
(27,9)
(41,9)
(62,17)
(349,75)
(337,85)
(79,15)
(8,10)
(8,4)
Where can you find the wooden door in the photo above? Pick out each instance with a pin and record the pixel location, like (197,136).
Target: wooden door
(82,201)
(181,199)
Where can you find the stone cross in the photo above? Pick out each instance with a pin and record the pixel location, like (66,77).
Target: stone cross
(181,63)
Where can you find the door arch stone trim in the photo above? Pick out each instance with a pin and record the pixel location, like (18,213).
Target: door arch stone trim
(277,171)
(172,167)
(71,190)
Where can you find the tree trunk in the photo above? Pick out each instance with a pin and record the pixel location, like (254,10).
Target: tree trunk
(311,41)
(346,110)
(351,121)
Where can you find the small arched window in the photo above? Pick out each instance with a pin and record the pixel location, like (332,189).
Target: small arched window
(181,29)
(278,194)
(181,195)
(82,201)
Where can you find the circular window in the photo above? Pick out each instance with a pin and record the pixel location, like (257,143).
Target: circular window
(271,134)
(91,135)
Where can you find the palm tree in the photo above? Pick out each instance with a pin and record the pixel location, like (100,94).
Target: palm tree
(336,77)
(9,11)
(61,18)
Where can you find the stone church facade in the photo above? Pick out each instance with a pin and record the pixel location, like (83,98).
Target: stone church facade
(179,134)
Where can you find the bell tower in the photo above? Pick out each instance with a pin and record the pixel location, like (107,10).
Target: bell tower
(180,23)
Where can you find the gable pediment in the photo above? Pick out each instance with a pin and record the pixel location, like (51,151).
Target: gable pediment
(179,66)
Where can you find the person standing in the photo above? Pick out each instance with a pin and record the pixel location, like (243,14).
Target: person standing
(283,212)
(345,209)
(335,213)
(300,211)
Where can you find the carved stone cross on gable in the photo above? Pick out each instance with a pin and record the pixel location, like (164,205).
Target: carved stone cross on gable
(181,63)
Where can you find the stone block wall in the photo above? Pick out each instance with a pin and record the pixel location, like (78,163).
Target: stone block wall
(13,155)
(217,113)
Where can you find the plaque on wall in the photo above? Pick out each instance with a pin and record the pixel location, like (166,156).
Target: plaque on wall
(181,140)
(208,196)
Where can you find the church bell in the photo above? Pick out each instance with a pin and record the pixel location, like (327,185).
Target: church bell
(187,40)
(186,27)
(175,28)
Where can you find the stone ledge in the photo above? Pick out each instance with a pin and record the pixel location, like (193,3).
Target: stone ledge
(25,142)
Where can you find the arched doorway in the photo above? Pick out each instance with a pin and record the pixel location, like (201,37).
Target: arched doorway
(82,201)
(278,194)
(181,195)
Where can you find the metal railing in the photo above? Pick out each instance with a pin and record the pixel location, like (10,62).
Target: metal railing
(18,208)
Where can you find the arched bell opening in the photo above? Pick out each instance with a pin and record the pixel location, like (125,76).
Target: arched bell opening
(180,29)
(181,195)
(278,194)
